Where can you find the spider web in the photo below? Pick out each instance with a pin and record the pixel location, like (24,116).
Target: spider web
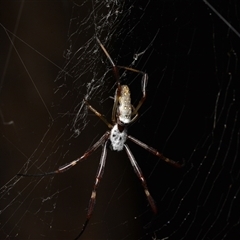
(50,61)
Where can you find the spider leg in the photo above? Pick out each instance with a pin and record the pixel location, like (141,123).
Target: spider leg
(155,152)
(135,117)
(67,166)
(92,200)
(98,114)
(116,75)
(138,171)
(106,53)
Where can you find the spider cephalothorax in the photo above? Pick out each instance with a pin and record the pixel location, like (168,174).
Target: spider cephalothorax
(117,138)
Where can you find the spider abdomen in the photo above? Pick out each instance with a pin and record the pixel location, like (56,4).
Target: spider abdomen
(125,108)
(117,138)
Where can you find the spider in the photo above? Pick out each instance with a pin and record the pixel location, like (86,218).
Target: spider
(123,114)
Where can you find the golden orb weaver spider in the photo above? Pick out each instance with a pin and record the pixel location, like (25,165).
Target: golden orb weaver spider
(123,113)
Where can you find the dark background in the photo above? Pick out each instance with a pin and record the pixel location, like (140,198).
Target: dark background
(191,112)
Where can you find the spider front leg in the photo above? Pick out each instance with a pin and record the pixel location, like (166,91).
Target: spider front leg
(138,171)
(67,166)
(92,200)
(155,152)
